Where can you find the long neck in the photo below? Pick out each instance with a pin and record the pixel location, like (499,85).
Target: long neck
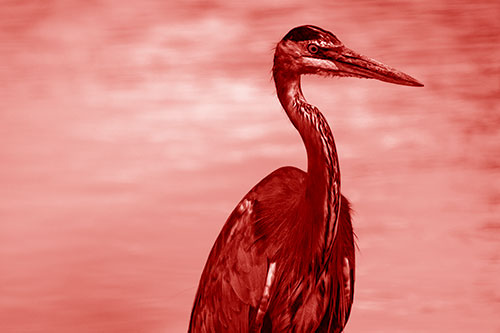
(322,192)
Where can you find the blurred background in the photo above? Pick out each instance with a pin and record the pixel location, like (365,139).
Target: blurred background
(130,130)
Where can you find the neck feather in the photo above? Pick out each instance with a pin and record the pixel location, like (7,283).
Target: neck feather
(322,192)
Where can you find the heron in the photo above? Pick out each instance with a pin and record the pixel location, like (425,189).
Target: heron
(284,260)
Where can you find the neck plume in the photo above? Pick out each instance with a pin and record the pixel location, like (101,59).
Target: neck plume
(322,192)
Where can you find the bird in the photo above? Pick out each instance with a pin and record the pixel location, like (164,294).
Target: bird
(284,260)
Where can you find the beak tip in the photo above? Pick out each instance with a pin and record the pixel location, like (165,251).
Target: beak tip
(413,82)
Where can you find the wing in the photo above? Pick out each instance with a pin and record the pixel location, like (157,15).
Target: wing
(231,294)
(233,280)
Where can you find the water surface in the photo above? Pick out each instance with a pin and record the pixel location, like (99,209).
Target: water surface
(130,131)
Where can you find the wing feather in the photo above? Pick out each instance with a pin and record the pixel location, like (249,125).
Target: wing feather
(233,280)
(234,274)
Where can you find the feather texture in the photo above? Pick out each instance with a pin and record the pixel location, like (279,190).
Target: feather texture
(233,281)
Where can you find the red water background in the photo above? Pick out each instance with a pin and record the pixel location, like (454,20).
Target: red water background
(130,130)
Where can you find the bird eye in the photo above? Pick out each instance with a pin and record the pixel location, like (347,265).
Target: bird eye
(313,48)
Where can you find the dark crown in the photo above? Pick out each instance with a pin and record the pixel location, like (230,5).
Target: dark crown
(308,32)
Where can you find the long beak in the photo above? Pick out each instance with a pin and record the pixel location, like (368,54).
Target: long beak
(354,64)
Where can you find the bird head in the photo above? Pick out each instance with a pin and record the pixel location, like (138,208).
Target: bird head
(311,50)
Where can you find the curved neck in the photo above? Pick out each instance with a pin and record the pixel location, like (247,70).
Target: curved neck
(322,192)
